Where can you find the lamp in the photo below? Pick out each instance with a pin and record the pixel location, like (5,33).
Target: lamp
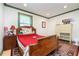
(5,30)
(12,28)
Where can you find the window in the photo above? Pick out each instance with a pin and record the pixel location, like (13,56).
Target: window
(24,20)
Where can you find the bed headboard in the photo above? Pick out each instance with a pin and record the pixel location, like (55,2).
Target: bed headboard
(25,29)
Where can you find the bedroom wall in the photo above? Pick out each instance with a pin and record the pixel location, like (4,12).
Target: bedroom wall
(1,27)
(58,20)
(11,18)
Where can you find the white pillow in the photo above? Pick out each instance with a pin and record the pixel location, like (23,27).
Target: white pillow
(27,30)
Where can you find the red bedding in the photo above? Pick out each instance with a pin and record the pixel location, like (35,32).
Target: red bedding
(29,39)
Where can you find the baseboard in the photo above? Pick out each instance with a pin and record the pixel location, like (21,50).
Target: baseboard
(64,40)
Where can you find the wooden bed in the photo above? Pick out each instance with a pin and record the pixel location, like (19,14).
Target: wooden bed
(44,46)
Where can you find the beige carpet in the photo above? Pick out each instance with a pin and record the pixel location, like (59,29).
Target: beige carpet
(6,53)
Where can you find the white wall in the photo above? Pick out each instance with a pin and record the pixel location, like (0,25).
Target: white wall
(58,20)
(1,27)
(11,18)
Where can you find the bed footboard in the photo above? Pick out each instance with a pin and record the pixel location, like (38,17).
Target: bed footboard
(44,46)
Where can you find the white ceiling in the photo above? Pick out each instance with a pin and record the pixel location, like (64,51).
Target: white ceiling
(46,8)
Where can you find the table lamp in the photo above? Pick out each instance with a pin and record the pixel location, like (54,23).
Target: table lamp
(12,28)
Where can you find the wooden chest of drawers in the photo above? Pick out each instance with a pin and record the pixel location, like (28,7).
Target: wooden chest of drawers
(9,42)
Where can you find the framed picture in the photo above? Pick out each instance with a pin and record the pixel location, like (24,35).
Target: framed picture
(43,24)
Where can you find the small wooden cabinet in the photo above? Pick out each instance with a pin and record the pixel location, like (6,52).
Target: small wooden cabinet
(9,42)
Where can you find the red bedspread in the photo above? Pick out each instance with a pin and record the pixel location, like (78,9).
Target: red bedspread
(29,39)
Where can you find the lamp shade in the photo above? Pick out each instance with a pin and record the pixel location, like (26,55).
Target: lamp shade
(12,28)
(5,28)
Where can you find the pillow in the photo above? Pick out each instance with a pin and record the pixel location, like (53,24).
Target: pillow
(27,30)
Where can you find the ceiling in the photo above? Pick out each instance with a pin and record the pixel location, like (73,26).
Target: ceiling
(46,9)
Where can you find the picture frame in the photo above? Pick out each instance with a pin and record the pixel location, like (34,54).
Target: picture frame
(43,24)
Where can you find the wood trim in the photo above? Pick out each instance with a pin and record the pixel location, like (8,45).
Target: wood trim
(38,14)
(64,13)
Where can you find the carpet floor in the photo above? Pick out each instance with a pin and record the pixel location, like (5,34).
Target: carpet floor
(65,49)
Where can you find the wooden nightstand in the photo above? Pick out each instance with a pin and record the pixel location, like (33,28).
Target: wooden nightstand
(9,42)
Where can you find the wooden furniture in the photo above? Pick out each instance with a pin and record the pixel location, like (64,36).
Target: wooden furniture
(9,42)
(64,31)
(78,50)
(43,47)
